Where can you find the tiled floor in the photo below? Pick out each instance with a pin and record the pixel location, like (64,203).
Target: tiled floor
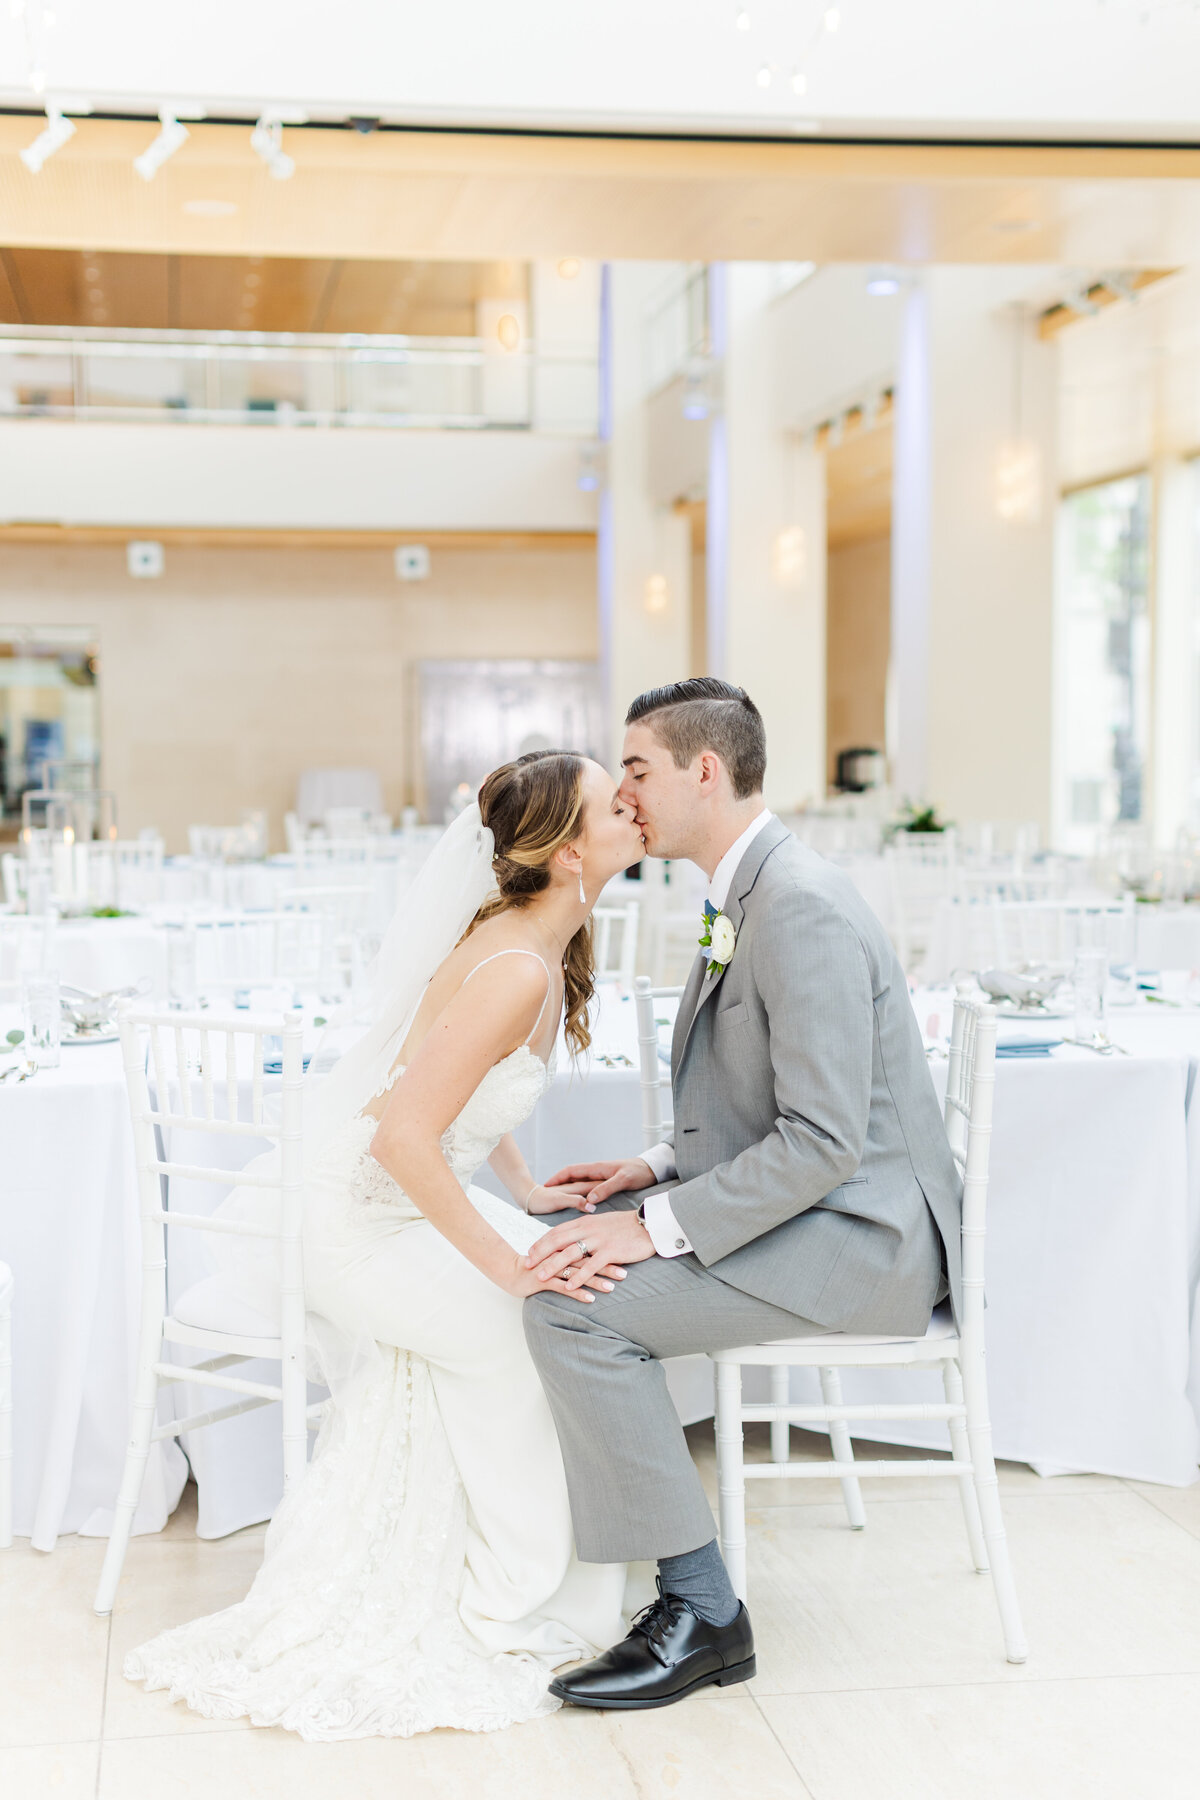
(881,1673)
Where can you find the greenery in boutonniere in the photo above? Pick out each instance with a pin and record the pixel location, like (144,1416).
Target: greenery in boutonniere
(111,912)
(719,939)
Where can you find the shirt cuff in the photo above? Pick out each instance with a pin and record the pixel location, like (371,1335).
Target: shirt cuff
(661,1161)
(666,1233)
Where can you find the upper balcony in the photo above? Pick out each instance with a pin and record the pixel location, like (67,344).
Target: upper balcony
(501,381)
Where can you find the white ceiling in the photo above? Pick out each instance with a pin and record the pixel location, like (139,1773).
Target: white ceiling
(1122,69)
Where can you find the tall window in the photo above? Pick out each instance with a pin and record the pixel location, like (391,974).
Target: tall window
(1102,724)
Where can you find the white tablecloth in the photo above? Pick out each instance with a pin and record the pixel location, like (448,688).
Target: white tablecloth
(1093,1257)
(1093,1251)
(69,1230)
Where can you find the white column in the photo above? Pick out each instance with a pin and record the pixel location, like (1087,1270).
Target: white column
(912,524)
(645,560)
(973,589)
(1173,749)
(767,626)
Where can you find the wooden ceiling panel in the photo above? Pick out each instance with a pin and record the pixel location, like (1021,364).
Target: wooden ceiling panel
(413,196)
(249,293)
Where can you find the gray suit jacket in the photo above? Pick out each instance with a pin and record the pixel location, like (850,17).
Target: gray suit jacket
(813,1165)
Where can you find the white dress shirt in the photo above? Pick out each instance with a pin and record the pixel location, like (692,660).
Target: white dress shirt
(666,1233)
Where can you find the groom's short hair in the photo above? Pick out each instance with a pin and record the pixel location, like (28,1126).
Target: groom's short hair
(703,713)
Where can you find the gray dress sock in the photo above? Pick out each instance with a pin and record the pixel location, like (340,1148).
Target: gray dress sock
(701,1578)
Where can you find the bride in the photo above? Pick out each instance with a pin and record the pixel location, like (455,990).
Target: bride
(422,1574)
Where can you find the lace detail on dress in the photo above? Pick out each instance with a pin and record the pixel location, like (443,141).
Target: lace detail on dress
(503,1100)
(353,1625)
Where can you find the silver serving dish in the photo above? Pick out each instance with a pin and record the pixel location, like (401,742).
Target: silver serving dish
(1029,989)
(89,1017)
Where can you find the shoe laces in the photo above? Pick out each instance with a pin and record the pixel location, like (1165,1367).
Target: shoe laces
(655,1620)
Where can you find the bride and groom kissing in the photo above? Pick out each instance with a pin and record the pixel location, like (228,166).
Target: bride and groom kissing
(501,1457)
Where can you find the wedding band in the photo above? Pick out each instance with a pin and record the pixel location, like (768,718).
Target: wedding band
(582,1246)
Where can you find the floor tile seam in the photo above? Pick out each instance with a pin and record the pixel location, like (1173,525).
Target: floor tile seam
(1016,1680)
(188,1731)
(51,1743)
(806,1791)
(1162,1511)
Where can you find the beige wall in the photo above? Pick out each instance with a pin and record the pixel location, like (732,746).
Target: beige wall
(857,639)
(240,667)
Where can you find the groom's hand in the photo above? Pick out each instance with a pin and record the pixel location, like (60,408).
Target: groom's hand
(609,1239)
(597,1180)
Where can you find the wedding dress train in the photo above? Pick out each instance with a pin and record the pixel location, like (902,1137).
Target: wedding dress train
(422,1574)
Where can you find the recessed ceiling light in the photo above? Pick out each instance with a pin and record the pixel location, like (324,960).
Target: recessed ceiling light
(210,209)
(95,295)
(253,280)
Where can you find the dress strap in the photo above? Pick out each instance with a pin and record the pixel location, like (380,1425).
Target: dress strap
(495,957)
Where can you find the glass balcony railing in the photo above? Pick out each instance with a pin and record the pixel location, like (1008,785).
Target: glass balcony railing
(285,379)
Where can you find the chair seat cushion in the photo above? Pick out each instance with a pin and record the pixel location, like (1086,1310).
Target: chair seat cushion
(210,1305)
(941,1325)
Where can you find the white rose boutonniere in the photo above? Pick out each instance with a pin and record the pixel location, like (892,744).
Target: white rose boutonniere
(719,939)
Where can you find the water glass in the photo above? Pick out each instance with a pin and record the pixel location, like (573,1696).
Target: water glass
(1090,978)
(1122,958)
(41,1005)
(182,988)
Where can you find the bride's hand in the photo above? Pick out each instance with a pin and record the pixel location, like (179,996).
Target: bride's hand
(521,1282)
(543,1199)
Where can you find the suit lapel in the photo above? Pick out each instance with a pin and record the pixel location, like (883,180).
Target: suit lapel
(745,876)
(688,1002)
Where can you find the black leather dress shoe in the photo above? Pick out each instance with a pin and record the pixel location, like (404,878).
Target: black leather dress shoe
(668,1654)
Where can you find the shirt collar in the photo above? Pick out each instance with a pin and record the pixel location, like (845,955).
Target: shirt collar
(718,887)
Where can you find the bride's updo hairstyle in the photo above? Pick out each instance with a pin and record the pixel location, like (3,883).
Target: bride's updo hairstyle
(534,806)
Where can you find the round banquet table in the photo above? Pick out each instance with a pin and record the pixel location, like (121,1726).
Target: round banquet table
(69,1227)
(1092,1261)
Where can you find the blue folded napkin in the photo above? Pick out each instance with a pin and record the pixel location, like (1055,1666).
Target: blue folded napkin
(273,1065)
(1027,1047)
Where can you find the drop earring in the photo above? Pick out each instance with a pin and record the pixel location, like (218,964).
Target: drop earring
(582,895)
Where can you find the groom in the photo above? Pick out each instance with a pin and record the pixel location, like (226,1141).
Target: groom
(808,1186)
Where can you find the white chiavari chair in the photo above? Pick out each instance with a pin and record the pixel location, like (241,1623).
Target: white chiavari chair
(352,822)
(834,836)
(959,1353)
(260,950)
(922,867)
(6,1403)
(975,886)
(350,912)
(654,1071)
(139,872)
(1015,935)
(615,942)
(210,1076)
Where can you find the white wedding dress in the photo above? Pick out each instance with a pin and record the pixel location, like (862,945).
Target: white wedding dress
(423,1572)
